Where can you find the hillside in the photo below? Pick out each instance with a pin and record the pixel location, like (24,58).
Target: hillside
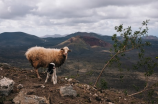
(14,45)
(85,42)
(92,41)
(19,39)
(56,41)
(101,37)
(150,37)
(85,93)
(89,54)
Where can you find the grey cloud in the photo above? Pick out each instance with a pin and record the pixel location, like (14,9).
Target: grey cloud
(88,8)
(102,3)
(73,15)
(67,8)
(11,9)
(59,13)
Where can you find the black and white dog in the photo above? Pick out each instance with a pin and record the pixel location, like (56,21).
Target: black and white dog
(51,71)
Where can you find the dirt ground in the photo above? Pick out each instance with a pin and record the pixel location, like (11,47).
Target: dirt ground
(85,93)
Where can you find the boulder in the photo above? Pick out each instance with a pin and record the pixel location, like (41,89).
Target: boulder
(67,90)
(5,66)
(20,86)
(6,86)
(24,98)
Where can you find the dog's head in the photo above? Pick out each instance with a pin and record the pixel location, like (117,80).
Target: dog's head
(51,67)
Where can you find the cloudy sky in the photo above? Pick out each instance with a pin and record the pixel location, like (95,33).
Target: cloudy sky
(48,17)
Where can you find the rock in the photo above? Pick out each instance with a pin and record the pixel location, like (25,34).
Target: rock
(20,86)
(23,98)
(37,85)
(87,87)
(65,78)
(87,99)
(6,86)
(7,102)
(1,68)
(98,98)
(67,90)
(69,80)
(5,65)
(95,95)
(110,103)
(43,86)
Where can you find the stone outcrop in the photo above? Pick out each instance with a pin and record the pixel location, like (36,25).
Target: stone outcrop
(67,90)
(6,86)
(24,98)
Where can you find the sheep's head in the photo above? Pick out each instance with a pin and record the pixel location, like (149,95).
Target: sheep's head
(65,51)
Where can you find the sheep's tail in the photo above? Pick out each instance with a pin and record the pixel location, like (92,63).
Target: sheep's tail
(31,62)
(28,57)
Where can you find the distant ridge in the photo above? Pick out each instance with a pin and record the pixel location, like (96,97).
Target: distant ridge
(85,41)
(101,37)
(92,41)
(84,34)
(19,39)
(24,39)
(53,36)
(150,37)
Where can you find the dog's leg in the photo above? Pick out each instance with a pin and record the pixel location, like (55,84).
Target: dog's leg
(52,80)
(54,77)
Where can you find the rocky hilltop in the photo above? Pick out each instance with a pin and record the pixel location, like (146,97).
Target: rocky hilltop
(27,84)
(92,41)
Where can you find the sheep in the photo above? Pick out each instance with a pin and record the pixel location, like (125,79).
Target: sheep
(42,57)
(51,71)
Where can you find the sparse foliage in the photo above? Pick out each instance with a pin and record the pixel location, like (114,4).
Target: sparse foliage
(103,84)
(128,41)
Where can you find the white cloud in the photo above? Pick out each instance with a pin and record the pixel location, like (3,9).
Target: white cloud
(41,17)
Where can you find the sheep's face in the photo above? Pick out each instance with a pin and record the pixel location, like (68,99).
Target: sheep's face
(65,51)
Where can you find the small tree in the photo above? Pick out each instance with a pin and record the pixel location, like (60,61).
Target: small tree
(130,41)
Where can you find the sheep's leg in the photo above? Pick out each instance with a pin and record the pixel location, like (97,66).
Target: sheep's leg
(47,77)
(37,74)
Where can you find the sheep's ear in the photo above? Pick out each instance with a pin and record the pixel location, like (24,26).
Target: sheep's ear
(62,49)
(69,50)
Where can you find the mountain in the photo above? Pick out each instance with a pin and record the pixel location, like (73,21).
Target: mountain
(14,44)
(53,36)
(150,37)
(23,39)
(85,42)
(75,43)
(19,39)
(92,41)
(55,41)
(102,37)
(85,45)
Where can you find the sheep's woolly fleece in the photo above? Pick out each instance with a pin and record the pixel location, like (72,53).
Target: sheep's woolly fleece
(41,57)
